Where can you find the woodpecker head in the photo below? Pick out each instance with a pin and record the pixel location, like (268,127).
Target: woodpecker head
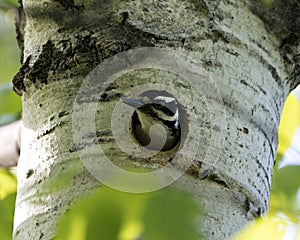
(156,111)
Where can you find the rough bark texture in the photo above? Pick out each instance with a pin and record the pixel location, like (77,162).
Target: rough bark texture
(253,66)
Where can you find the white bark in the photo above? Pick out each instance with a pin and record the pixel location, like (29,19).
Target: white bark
(63,42)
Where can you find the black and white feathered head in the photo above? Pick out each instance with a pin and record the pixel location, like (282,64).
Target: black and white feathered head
(155,107)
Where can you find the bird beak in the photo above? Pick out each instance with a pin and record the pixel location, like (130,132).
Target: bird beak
(133,102)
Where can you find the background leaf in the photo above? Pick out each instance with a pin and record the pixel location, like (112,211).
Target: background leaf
(10,103)
(165,214)
(170,215)
(8,188)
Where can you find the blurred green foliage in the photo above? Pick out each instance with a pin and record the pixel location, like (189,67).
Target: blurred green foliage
(6,5)
(10,103)
(8,185)
(10,108)
(109,214)
(285,192)
(170,215)
(285,188)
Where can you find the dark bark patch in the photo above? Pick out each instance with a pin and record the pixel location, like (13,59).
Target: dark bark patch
(90,139)
(68,4)
(18,79)
(269,66)
(56,58)
(29,173)
(37,72)
(247,85)
(63,113)
(281,18)
(106,97)
(125,16)
(244,130)
(209,63)
(212,175)
(50,130)
(103,133)
(252,211)
(41,235)
(20,25)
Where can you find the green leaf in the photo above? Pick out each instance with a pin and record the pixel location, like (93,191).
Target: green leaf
(287,180)
(8,183)
(10,2)
(271,227)
(171,215)
(289,123)
(8,188)
(286,184)
(10,104)
(7,206)
(98,216)
(7,5)
(110,214)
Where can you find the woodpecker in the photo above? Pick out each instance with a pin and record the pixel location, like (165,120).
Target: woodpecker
(155,122)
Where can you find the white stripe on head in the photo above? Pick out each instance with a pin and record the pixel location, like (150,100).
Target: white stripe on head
(166,99)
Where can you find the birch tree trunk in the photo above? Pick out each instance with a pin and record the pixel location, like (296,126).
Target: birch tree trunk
(245,65)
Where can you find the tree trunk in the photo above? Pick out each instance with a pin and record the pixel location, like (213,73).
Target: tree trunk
(230,71)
